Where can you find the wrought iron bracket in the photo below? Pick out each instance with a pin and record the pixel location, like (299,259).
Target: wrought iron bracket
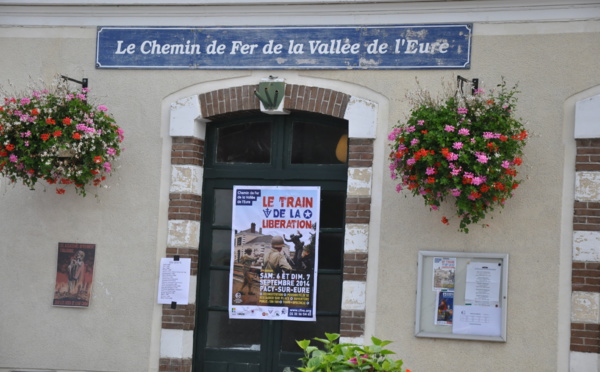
(461,81)
(83,82)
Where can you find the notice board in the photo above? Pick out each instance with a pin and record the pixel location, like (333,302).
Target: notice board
(462,295)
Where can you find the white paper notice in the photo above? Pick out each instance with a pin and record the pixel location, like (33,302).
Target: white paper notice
(477,320)
(483,284)
(174,281)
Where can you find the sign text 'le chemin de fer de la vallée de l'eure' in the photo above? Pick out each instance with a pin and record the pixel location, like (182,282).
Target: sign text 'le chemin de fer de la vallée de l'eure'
(445,46)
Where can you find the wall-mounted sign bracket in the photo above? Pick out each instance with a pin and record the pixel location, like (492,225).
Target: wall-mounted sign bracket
(83,82)
(461,81)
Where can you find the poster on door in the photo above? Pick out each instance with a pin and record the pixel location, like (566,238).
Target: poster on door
(274,253)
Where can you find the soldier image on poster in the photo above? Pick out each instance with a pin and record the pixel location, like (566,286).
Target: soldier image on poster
(247,260)
(276,261)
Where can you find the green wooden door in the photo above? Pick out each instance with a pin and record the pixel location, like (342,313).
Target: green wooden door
(294,150)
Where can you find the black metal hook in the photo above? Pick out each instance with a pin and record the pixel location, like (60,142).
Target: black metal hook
(83,82)
(474,84)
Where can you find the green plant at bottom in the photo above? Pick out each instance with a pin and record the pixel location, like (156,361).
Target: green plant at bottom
(347,357)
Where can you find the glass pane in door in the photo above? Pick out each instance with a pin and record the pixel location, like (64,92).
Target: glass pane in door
(244,143)
(316,143)
(222,332)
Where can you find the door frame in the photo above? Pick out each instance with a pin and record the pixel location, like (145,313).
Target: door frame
(187,120)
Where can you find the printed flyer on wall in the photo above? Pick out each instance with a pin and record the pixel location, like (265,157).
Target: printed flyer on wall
(445,308)
(274,251)
(443,273)
(74,274)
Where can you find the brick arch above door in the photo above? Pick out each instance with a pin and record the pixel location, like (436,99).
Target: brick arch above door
(297,97)
(187,123)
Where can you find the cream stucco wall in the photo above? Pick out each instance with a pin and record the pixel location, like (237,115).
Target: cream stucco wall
(128,222)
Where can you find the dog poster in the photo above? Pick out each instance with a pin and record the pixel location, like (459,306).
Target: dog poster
(74,274)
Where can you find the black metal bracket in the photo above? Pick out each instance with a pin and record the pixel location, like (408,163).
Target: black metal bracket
(461,81)
(83,82)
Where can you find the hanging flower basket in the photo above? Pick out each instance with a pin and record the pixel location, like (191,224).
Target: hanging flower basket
(460,148)
(57,136)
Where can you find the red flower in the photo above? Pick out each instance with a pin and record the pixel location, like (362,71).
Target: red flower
(45,136)
(3,153)
(51,181)
(97,159)
(57,133)
(445,221)
(35,112)
(498,186)
(515,185)
(518,161)
(424,131)
(76,136)
(9,147)
(66,121)
(484,188)
(50,121)
(475,194)
(60,191)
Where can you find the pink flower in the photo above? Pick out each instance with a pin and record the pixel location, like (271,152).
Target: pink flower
(411,161)
(481,157)
(420,122)
(478,181)
(392,136)
(107,167)
(455,192)
(414,141)
(430,171)
(449,128)
(13,158)
(24,101)
(120,133)
(399,187)
(463,131)
(457,145)
(102,108)
(462,110)
(111,151)
(505,164)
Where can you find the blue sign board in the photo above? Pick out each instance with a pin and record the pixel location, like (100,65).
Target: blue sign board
(445,46)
